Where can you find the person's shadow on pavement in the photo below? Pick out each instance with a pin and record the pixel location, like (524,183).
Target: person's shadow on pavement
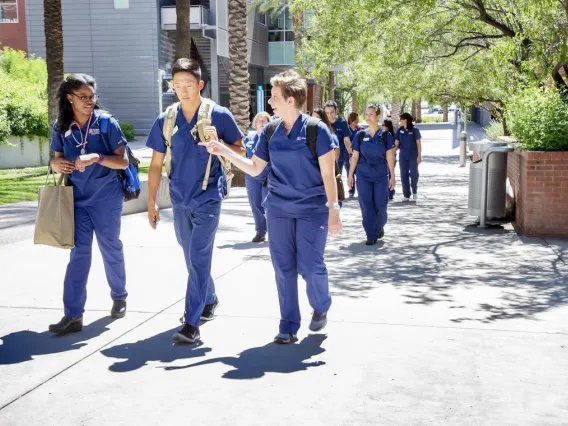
(254,363)
(22,346)
(156,348)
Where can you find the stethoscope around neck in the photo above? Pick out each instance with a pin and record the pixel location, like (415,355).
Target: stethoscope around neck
(84,139)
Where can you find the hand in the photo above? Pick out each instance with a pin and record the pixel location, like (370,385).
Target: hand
(392,183)
(84,161)
(215,147)
(334,226)
(211,132)
(338,176)
(61,165)
(350,182)
(419,160)
(153,215)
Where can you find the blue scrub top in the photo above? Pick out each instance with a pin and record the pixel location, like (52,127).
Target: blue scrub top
(408,146)
(97,183)
(295,184)
(250,143)
(189,160)
(352,132)
(341,130)
(372,164)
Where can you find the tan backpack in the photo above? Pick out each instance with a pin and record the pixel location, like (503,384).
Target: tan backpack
(203,120)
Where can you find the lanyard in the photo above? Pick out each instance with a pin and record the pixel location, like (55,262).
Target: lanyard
(84,138)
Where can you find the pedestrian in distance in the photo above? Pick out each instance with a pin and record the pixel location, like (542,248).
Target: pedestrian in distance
(373,162)
(89,146)
(257,186)
(408,141)
(388,127)
(354,127)
(301,206)
(341,130)
(197,186)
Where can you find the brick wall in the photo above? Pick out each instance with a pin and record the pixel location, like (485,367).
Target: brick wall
(540,184)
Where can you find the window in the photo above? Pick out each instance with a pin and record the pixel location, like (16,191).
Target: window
(262,18)
(280,26)
(9,12)
(121,4)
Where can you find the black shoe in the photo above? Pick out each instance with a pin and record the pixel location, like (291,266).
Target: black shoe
(381,233)
(258,239)
(370,242)
(67,325)
(319,321)
(391,198)
(188,334)
(209,311)
(351,195)
(285,339)
(118,309)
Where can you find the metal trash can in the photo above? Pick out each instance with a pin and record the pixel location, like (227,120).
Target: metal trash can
(497,179)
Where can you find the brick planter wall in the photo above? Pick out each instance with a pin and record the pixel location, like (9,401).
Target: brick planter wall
(540,184)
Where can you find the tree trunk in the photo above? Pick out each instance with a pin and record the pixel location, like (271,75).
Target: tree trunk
(183,31)
(413,109)
(331,86)
(298,25)
(418,115)
(395,113)
(53,53)
(445,118)
(355,101)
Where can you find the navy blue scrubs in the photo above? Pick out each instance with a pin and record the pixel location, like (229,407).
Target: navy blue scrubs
(341,130)
(352,134)
(408,160)
(98,202)
(196,212)
(257,188)
(373,179)
(297,218)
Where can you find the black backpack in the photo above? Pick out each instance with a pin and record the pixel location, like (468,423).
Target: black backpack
(311,140)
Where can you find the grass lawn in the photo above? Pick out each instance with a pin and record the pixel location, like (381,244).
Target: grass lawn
(22,184)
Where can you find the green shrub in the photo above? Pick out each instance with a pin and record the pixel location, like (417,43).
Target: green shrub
(494,130)
(538,119)
(436,119)
(128,130)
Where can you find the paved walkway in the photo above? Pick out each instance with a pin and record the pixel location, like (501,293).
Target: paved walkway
(441,323)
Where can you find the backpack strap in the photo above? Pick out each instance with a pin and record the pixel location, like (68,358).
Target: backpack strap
(105,119)
(167,132)
(272,126)
(312,135)
(385,138)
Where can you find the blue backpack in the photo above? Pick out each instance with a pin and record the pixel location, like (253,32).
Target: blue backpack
(129,176)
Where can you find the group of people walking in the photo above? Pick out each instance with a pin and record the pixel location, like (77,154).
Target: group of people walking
(293,164)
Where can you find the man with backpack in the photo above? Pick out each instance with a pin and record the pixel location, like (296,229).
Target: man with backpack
(198,184)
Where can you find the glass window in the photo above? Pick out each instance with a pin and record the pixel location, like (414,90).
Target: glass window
(9,12)
(262,18)
(121,4)
(289,35)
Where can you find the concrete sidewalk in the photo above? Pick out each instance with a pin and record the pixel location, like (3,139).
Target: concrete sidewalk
(441,323)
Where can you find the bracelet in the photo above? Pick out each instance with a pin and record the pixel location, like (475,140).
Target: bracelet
(334,206)
(101,158)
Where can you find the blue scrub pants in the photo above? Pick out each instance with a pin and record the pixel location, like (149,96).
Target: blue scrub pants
(256,192)
(195,233)
(409,175)
(104,220)
(373,199)
(344,164)
(297,246)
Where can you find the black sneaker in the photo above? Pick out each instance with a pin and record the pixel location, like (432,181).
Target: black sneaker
(351,195)
(118,309)
(188,334)
(319,321)
(209,310)
(258,239)
(285,339)
(67,325)
(370,242)
(381,233)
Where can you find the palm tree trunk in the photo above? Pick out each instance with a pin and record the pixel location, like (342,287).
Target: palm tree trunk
(239,78)
(298,24)
(418,115)
(183,30)
(355,101)
(331,86)
(395,113)
(53,53)
(445,113)
(413,109)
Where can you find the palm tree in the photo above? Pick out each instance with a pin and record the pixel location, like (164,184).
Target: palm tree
(239,78)
(331,84)
(183,31)
(395,113)
(53,27)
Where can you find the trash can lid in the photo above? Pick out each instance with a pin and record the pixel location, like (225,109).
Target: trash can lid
(484,145)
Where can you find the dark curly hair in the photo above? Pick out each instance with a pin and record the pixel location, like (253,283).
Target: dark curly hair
(323,117)
(65,111)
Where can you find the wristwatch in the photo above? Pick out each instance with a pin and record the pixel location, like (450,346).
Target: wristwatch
(334,206)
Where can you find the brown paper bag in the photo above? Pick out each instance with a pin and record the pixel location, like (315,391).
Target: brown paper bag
(55,220)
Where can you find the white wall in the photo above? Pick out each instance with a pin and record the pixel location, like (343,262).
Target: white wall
(24,153)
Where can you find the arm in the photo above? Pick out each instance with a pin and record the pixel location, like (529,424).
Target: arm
(237,148)
(252,167)
(352,167)
(419,146)
(397,144)
(347,142)
(118,161)
(327,168)
(154,180)
(61,165)
(390,161)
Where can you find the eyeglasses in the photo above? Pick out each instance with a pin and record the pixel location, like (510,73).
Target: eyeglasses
(86,98)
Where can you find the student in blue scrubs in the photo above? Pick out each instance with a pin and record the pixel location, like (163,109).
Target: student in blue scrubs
(257,187)
(353,122)
(373,162)
(408,140)
(301,206)
(196,211)
(388,127)
(341,130)
(81,152)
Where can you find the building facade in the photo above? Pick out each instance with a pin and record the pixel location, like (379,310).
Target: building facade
(13,24)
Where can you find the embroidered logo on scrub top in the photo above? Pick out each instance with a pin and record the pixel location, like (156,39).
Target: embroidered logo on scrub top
(402,132)
(301,138)
(366,139)
(94,131)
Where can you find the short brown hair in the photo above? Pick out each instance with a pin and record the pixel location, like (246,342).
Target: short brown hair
(261,114)
(292,85)
(352,117)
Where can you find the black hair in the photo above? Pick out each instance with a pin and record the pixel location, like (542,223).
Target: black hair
(352,117)
(389,126)
(331,104)
(187,65)
(409,120)
(324,118)
(73,82)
